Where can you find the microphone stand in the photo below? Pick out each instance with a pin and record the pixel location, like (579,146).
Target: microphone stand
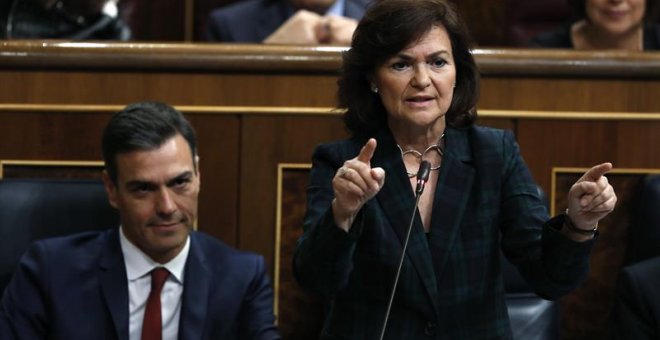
(422,177)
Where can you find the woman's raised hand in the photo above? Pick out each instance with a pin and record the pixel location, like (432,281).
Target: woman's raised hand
(591,198)
(354,184)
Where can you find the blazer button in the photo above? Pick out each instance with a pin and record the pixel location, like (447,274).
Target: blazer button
(430,328)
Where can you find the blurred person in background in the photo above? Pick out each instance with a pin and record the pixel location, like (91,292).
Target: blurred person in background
(636,313)
(62,19)
(607,24)
(307,22)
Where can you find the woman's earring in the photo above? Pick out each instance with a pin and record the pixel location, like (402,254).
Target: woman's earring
(374,89)
(454,86)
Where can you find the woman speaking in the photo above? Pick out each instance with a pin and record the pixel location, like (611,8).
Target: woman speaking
(409,85)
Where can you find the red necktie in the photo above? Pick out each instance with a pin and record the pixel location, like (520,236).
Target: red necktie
(152,326)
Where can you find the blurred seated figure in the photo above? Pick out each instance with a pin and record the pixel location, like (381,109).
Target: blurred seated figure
(607,24)
(286,21)
(637,303)
(527,18)
(62,19)
(644,239)
(637,307)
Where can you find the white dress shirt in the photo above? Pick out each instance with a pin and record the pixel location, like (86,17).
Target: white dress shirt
(138,269)
(337,8)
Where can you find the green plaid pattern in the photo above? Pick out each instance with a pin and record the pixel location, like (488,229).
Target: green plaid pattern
(451,285)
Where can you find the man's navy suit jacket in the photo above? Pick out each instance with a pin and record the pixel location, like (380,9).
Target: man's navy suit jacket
(252,21)
(75,287)
(637,303)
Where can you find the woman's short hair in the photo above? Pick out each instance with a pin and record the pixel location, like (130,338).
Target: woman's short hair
(388,27)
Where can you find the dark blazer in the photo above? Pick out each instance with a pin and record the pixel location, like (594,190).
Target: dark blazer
(5,331)
(561,38)
(75,287)
(252,21)
(451,285)
(637,302)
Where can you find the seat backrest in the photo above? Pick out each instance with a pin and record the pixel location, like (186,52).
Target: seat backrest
(527,18)
(32,209)
(531,316)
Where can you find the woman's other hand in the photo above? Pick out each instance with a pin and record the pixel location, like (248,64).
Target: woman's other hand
(591,198)
(354,184)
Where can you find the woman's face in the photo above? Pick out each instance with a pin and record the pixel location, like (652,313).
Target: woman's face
(416,86)
(615,16)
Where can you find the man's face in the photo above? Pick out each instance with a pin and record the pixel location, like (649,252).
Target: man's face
(156,194)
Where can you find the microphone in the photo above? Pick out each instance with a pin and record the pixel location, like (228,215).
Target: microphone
(422,178)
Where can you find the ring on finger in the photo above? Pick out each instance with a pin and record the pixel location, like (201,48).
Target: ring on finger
(342,171)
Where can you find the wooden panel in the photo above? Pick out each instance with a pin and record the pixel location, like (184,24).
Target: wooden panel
(266,142)
(218,143)
(290,298)
(546,144)
(51,136)
(561,94)
(72,87)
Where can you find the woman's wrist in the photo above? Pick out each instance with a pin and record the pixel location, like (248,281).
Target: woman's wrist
(568,224)
(342,220)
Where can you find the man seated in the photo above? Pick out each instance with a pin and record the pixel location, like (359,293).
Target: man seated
(286,21)
(153,277)
(62,19)
(637,303)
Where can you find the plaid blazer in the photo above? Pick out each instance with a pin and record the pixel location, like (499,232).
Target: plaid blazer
(451,285)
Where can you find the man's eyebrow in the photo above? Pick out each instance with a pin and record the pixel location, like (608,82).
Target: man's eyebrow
(183,176)
(139,183)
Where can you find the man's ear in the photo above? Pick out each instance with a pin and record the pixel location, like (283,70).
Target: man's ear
(197,167)
(110,188)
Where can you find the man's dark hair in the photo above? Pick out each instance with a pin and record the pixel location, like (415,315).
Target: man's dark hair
(143,126)
(388,27)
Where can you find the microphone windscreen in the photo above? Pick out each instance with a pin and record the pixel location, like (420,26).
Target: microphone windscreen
(424,171)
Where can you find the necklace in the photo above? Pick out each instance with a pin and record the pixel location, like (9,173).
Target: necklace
(437,147)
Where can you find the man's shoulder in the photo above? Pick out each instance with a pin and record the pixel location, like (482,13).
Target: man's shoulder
(75,242)
(81,251)
(241,9)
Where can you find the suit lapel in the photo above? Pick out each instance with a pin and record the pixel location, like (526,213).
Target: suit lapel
(354,9)
(195,293)
(451,196)
(397,201)
(272,16)
(112,278)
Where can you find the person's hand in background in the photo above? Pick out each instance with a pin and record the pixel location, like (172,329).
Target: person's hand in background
(336,30)
(301,28)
